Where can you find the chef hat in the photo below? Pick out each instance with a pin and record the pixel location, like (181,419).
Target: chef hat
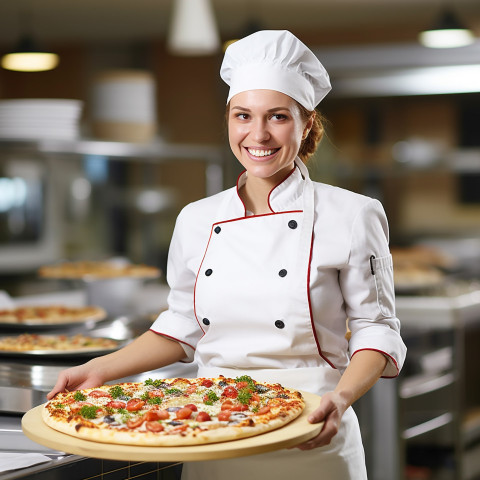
(275,60)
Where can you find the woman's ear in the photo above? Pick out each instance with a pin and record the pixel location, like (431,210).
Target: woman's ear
(308,126)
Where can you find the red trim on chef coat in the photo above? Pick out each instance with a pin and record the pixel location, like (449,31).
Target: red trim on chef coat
(269,205)
(310,309)
(172,338)
(314,332)
(386,355)
(264,215)
(196,280)
(269,194)
(208,243)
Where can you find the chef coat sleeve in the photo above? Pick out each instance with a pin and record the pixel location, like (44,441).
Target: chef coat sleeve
(368,290)
(179,322)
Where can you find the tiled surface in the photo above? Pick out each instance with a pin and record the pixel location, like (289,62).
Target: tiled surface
(92,469)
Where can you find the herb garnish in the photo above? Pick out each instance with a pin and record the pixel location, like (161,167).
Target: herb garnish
(248,379)
(244,396)
(154,383)
(116,391)
(154,400)
(89,411)
(79,396)
(210,397)
(174,391)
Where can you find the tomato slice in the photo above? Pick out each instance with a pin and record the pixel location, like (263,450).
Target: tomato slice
(263,410)
(154,427)
(135,404)
(98,394)
(203,417)
(239,407)
(255,397)
(163,414)
(191,389)
(151,416)
(184,413)
(192,407)
(156,393)
(206,382)
(224,415)
(77,406)
(135,422)
(230,392)
(179,428)
(116,404)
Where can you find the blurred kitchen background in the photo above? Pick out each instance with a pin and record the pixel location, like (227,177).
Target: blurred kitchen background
(99,154)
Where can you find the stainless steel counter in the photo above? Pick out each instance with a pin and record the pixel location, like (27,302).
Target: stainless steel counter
(26,379)
(13,440)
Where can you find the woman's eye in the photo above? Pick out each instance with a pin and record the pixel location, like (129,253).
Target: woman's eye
(242,116)
(279,116)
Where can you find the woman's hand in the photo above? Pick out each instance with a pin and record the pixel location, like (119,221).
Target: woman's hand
(364,370)
(147,352)
(75,378)
(331,410)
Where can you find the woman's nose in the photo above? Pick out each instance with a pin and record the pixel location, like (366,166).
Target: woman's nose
(260,131)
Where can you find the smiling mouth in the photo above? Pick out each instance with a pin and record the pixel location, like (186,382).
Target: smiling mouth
(261,152)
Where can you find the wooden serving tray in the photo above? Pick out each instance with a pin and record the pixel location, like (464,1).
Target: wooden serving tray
(294,433)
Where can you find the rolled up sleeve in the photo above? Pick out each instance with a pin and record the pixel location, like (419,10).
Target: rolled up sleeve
(367,286)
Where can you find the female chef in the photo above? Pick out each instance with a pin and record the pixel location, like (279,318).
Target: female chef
(264,275)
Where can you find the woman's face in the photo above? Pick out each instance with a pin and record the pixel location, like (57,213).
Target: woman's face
(265,131)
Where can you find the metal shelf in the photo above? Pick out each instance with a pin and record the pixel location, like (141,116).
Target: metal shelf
(156,150)
(428,426)
(423,384)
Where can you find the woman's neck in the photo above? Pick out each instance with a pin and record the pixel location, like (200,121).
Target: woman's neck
(254,195)
(256,191)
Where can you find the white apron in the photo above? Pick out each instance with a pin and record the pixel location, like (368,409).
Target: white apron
(252,303)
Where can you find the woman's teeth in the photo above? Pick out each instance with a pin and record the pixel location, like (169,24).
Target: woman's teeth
(260,153)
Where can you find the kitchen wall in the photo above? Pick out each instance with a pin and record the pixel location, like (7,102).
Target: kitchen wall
(399,149)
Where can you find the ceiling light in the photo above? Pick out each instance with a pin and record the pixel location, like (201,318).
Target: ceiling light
(193,29)
(28,57)
(447,32)
(410,81)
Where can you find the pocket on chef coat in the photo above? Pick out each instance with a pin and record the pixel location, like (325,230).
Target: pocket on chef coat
(382,271)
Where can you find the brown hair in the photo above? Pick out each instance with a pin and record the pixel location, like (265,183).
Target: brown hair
(310,144)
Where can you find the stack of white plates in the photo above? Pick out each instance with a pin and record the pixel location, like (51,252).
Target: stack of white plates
(40,118)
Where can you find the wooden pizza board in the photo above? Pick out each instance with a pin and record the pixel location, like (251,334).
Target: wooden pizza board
(294,433)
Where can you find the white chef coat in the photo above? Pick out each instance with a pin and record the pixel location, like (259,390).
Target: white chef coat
(270,295)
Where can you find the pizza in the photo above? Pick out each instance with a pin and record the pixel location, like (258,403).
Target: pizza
(97,270)
(174,412)
(30,342)
(51,314)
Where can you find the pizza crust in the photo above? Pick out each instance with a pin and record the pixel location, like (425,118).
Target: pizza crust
(28,342)
(88,431)
(51,314)
(97,270)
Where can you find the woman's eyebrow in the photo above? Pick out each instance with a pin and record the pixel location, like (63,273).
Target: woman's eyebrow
(270,110)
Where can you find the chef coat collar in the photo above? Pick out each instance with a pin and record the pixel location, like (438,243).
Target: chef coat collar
(287,195)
